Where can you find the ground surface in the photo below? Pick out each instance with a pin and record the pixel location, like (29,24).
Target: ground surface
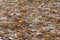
(29,19)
